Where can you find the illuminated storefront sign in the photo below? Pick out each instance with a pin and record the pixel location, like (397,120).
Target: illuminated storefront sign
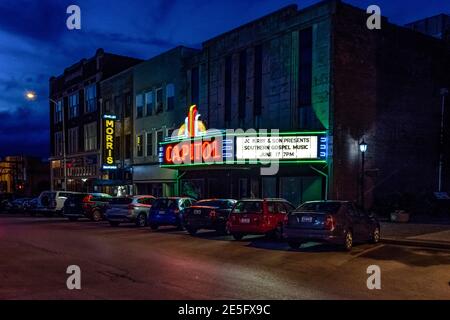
(109,128)
(192,145)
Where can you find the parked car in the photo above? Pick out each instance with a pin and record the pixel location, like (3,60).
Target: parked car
(87,205)
(169,211)
(259,216)
(208,214)
(337,222)
(52,202)
(5,201)
(31,205)
(134,209)
(18,205)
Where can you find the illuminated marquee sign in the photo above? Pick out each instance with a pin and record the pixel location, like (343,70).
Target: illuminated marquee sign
(277,148)
(109,127)
(194,145)
(189,146)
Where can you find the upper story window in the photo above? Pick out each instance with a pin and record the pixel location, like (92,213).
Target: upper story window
(139,106)
(59,111)
(170,96)
(149,103)
(159,100)
(58,144)
(90,136)
(74,105)
(73,140)
(108,108)
(150,144)
(90,96)
(128,105)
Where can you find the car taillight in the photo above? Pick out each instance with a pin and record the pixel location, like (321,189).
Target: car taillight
(212,214)
(87,199)
(330,223)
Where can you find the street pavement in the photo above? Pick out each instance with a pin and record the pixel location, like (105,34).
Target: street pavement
(131,263)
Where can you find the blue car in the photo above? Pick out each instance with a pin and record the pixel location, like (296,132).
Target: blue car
(169,211)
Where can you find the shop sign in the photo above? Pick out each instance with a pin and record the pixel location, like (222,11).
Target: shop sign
(109,128)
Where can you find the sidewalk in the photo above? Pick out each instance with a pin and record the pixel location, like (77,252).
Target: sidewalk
(416,234)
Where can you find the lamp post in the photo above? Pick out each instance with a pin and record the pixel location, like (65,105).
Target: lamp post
(444,93)
(31,96)
(363,148)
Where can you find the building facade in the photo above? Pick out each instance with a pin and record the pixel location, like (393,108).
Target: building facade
(75,120)
(160,87)
(320,70)
(23,176)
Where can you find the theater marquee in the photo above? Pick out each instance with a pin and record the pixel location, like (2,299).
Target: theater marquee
(193,145)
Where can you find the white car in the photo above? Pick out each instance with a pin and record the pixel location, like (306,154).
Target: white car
(53,201)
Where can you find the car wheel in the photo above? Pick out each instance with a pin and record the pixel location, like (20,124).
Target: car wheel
(348,241)
(114,223)
(192,231)
(96,216)
(141,220)
(294,244)
(375,236)
(238,236)
(154,226)
(72,219)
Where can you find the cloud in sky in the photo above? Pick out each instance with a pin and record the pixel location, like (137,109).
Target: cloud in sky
(35,44)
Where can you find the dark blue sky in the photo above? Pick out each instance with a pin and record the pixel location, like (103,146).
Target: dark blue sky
(35,44)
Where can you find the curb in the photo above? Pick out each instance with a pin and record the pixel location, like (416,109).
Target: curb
(417,243)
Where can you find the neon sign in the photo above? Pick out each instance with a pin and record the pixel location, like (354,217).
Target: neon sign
(109,127)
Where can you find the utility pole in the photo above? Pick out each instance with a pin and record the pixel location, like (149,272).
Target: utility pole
(444,93)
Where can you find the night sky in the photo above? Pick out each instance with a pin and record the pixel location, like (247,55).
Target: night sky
(35,44)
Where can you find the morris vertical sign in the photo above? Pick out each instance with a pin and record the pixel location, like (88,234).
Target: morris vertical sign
(109,129)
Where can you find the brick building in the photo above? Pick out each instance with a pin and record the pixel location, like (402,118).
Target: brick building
(321,69)
(75,120)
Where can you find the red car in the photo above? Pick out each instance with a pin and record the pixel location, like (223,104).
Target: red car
(259,216)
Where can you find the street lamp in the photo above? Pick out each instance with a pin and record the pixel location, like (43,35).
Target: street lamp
(363,148)
(32,96)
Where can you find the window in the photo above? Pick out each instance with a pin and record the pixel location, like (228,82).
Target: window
(58,144)
(228,66)
(139,146)
(195,87)
(149,103)
(128,104)
(90,136)
(139,106)
(73,140)
(59,111)
(117,154)
(159,100)
(108,109)
(170,96)
(118,106)
(90,96)
(149,144)
(242,84)
(74,105)
(257,92)
(128,146)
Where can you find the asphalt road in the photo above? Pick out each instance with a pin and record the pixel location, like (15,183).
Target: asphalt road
(131,263)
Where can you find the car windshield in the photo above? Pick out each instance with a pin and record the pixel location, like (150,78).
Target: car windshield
(164,204)
(248,207)
(319,207)
(222,204)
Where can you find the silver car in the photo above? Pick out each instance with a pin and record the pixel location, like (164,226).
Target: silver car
(130,210)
